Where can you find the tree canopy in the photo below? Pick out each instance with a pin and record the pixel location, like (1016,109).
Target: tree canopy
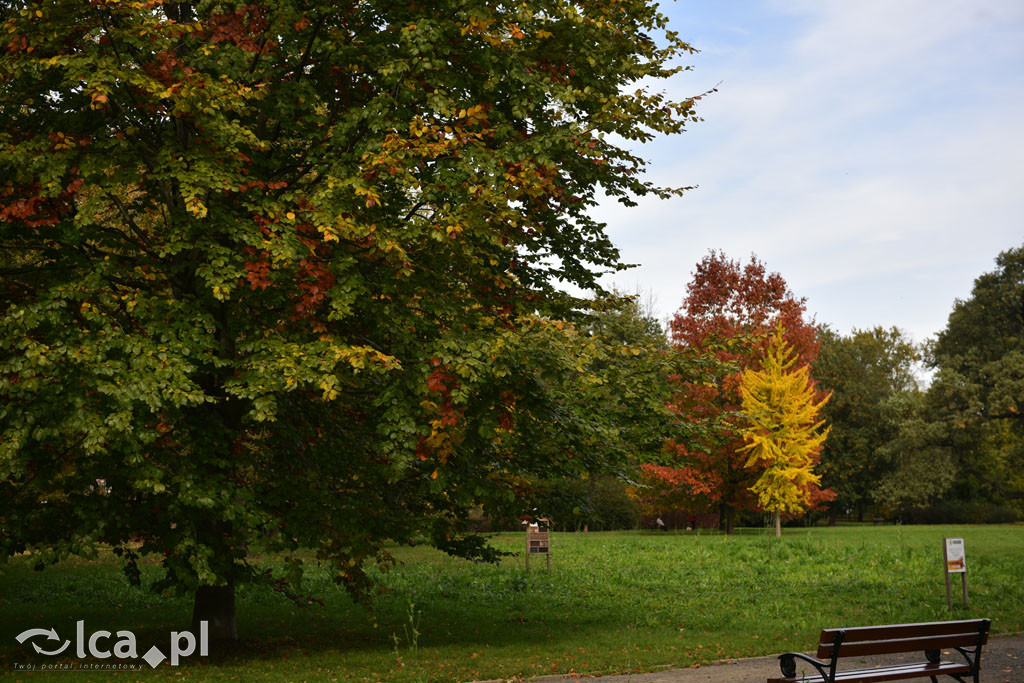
(871,376)
(956,446)
(729,312)
(287,271)
(974,405)
(782,431)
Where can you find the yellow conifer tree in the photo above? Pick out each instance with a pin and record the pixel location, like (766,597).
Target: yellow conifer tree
(782,430)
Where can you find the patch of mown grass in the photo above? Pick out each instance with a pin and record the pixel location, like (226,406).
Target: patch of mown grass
(613,602)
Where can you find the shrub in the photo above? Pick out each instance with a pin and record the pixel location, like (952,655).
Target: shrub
(960,512)
(598,504)
(612,506)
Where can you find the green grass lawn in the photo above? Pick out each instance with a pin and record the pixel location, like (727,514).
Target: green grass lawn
(613,602)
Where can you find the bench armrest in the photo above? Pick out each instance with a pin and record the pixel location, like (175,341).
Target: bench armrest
(787,663)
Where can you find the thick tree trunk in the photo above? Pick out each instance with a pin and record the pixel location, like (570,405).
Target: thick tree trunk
(730,515)
(833,515)
(778,525)
(216,606)
(220,424)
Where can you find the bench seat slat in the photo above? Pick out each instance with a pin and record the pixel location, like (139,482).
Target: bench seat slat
(887,673)
(897,673)
(937,628)
(885,647)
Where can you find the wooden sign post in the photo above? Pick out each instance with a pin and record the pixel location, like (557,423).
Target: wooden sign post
(538,541)
(955,563)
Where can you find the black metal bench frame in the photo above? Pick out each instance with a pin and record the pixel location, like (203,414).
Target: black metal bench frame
(953,636)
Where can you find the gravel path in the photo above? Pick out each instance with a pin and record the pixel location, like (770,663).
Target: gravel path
(1002,661)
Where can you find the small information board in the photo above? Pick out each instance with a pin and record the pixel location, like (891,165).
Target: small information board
(955,560)
(538,541)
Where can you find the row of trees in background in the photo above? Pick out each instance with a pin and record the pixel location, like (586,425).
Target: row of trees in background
(953,451)
(949,451)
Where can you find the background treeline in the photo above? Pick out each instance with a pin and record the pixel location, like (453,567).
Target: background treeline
(920,433)
(951,451)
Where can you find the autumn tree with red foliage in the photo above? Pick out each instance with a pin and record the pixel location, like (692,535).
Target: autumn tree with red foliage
(729,311)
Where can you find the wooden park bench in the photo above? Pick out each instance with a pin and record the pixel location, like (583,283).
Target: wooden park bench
(966,637)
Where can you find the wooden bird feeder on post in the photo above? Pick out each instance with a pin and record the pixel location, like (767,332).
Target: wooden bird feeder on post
(538,540)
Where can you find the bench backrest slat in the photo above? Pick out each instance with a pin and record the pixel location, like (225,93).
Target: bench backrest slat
(861,641)
(937,628)
(885,647)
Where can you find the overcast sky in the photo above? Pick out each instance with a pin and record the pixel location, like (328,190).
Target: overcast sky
(872,152)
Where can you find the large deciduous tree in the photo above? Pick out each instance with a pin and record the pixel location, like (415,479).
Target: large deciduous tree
(782,431)
(912,465)
(635,371)
(729,311)
(287,269)
(974,405)
(871,376)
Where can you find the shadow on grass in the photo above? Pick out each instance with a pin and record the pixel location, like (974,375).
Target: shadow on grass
(488,607)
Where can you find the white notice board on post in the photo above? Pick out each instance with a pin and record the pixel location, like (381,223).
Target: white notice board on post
(955,559)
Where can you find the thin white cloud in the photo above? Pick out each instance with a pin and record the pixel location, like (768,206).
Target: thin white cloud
(873,158)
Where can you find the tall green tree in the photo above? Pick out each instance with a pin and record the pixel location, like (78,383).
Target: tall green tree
(868,373)
(975,400)
(639,373)
(634,372)
(287,269)
(913,467)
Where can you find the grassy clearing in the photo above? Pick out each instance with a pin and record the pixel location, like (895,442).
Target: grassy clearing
(613,602)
